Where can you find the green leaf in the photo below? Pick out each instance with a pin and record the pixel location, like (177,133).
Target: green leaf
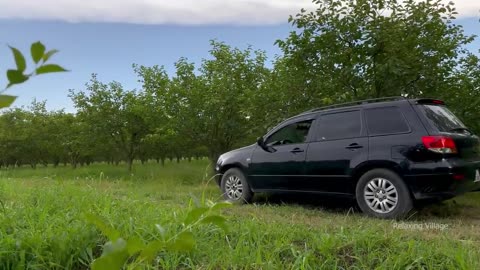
(19,59)
(194,215)
(15,77)
(49,54)
(113,257)
(106,230)
(6,101)
(108,263)
(135,245)
(38,50)
(114,261)
(221,205)
(50,68)
(216,220)
(183,242)
(152,248)
(114,246)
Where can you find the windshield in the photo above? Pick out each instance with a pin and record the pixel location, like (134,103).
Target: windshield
(441,118)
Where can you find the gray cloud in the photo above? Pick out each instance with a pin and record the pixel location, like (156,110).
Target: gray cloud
(186,12)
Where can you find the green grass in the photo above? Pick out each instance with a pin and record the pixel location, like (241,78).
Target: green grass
(43,224)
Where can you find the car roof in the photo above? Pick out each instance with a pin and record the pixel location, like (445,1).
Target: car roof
(368,103)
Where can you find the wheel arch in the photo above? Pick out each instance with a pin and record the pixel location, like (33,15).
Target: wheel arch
(377,164)
(224,168)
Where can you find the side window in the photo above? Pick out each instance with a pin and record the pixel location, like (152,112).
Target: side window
(341,125)
(294,133)
(387,120)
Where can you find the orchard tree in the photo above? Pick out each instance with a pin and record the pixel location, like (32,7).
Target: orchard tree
(212,108)
(356,49)
(463,94)
(114,116)
(14,142)
(158,144)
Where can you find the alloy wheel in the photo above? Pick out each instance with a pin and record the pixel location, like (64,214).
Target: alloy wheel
(381,195)
(234,187)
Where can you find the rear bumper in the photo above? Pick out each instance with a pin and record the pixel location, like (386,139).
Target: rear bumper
(440,183)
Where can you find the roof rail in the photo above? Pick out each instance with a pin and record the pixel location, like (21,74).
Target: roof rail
(360,102)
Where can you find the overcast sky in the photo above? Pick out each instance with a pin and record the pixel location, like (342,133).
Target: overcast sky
(185,12)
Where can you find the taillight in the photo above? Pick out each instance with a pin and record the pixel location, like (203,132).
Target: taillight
(439,144)
(439,102)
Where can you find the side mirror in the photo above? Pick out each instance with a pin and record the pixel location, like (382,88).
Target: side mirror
(261,142)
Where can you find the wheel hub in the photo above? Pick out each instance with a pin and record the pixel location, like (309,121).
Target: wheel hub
(381,195)
(234,187)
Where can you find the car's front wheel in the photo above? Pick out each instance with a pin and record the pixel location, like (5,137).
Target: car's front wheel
(382,193)
(235,187)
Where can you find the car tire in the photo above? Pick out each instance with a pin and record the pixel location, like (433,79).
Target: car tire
(381,193)
(235,187)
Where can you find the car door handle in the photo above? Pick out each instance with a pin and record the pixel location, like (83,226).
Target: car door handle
(297,150)
(354,146)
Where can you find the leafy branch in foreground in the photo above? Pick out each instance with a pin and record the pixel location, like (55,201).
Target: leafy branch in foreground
(40,56)
(134,251)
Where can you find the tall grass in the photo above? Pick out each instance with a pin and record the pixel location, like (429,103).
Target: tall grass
(43,224)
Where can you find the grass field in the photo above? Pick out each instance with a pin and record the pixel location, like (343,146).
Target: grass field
(43,224)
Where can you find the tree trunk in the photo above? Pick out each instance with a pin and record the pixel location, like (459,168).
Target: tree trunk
(73,161)
(130,164)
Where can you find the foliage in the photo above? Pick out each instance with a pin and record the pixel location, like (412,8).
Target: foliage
(211,107)
(118,251)
(40,56)
(114,116)
(350,50)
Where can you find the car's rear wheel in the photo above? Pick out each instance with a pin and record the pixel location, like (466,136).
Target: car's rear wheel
(382,193)
(235,187)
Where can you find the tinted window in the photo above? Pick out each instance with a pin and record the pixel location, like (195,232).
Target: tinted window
(388,120)
(442,118)
(339,126)
(294,133)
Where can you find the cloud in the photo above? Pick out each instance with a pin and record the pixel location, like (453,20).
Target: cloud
(186,12)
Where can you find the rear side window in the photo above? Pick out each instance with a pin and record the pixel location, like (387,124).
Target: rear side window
(386,120)
(441,118)
(341,125)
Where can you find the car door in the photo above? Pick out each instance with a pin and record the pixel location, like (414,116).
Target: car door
(282,160)
(338,145)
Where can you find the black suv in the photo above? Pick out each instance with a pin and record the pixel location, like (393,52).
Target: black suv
(386,152)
